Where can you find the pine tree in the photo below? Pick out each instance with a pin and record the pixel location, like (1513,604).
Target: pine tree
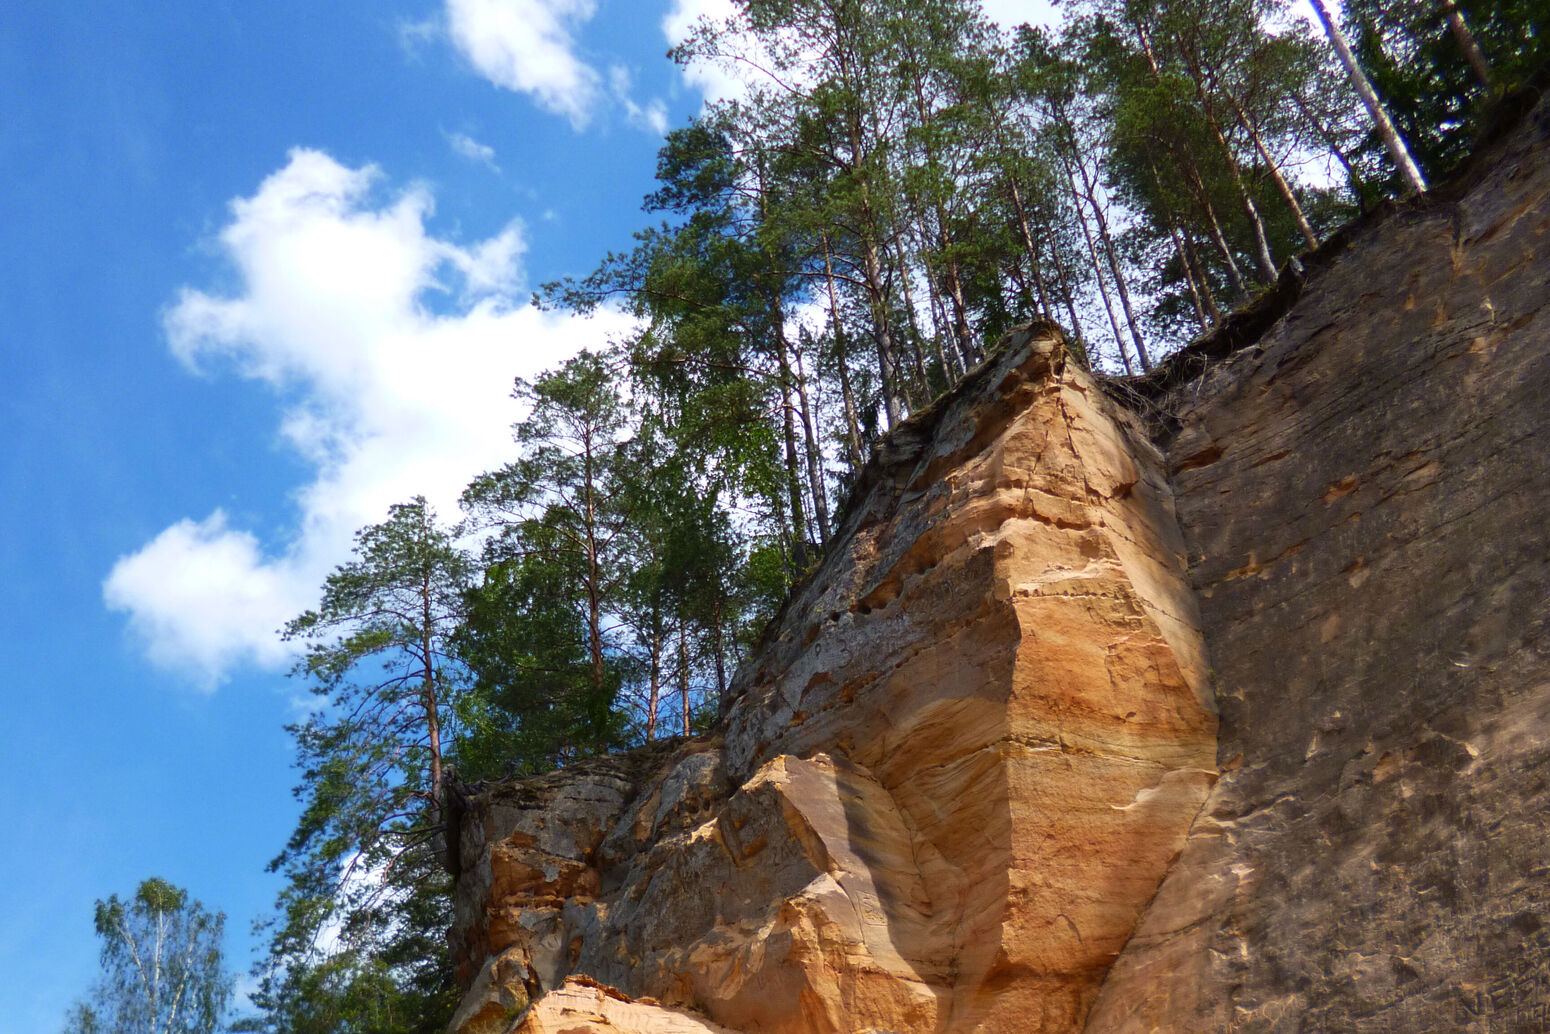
(356,934)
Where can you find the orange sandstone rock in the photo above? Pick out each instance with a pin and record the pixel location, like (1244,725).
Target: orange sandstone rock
(955,771)
(581,1006)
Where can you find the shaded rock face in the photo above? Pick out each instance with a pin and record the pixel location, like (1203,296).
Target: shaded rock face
(954,774)
(982,774)
(1365,497)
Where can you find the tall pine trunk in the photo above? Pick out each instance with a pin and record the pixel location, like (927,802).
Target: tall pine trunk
(1103,290)
(683,670)
(814,457)
(852,431)
(1380,118)
(1466,41)
(1282,186)
(1091,192)
(654,700)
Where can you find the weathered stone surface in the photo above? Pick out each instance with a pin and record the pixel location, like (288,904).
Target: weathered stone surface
(527,859)
(972,779)
(953,777)
(1365,494)
(580,1006)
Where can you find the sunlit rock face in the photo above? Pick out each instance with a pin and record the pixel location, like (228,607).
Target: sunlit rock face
(954,774)
(981,776)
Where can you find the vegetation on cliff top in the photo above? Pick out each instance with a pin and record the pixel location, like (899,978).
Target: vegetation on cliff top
(897,185)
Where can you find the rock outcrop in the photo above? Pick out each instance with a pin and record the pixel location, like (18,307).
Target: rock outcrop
(974,778)
(967,752)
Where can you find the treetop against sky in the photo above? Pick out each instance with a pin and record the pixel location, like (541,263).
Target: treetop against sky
(266,272)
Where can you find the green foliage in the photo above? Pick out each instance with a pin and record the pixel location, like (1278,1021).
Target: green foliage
(384,971)
(536,637)
(365,856)
(162,968)
(1419,69)
(898,186)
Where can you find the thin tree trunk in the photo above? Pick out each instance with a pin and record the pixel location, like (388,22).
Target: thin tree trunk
(1033,255)
(1257,225)
(960,311)
(909,299)
(1466,41)
(1380,118)
(1327,135)
(814,457)
(1021,286)
(1119,276)
(953,361)
(1285,188)
(793,464)
(922,379)
(1189,278)
(428,698)
(653,701)
(594,587)
(720,645)
(852,431)
(1092,249)
(1178,246)
(1103,291)
(1066,292)
(1193,257)
(1267,262)
(877,289)
(954,282)
(683,670)
(887,363)
(1234,273)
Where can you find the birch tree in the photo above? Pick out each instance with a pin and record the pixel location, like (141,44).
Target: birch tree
(162,968)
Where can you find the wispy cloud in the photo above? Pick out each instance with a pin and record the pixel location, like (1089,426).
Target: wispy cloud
(467,147)
(651,116)
(385,394)
(714,81)
(529,46)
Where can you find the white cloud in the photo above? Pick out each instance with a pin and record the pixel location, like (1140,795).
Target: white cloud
(651,117)
(205,574)
(714,81)
(528,46)
(467,147)
(383,396)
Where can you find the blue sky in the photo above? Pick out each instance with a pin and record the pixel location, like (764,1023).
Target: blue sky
(264,270)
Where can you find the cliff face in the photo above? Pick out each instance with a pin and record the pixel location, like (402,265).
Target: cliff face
(975,778)
(964,758)
(1365,496)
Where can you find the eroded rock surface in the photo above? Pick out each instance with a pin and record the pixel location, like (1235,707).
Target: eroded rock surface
(954,774)
(972,779)
(580,1005)
(1365,493)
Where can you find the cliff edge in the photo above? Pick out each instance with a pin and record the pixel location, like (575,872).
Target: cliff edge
(1222,709)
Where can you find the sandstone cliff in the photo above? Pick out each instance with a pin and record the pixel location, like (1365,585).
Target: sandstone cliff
(1215,702)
